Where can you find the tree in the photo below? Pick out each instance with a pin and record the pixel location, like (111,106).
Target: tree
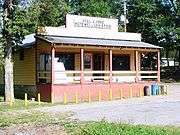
(8,43)
(13,31)
(47,12)
(155,21)
(177,11)
(100,8)
(19,19)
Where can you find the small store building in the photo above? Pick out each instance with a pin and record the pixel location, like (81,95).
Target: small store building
(85,58)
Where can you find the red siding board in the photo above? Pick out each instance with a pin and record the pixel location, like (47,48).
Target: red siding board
(45,92)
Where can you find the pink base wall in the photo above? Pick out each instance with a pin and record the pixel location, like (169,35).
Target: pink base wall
(57,92)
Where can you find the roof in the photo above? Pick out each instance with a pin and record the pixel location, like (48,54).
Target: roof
(29,41)
(96,42)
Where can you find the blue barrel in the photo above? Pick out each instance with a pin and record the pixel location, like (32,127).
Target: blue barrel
(154,89)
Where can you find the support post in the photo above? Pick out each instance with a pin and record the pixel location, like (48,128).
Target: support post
(52,73)
(110,65)
(82,66)
(158,66)
(137,66)
(52,64)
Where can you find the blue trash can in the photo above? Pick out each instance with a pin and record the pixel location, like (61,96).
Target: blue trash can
(154,89)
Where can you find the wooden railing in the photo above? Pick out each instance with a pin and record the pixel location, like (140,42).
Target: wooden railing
(93,76)
(44,76)
(143,75)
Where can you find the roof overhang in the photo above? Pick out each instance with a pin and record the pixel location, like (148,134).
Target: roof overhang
(96,42)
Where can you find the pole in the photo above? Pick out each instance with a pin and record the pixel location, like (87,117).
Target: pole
(25,100)
(125,16)
(110,65)
(137,66)
(39,98)
(82,65)
(158,66)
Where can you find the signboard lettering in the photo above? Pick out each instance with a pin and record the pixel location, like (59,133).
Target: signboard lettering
(85,22)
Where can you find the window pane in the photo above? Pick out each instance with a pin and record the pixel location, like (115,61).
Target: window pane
(67,60)
(87,61)
(149,61)
(42,62)
(121,62)
(45,62)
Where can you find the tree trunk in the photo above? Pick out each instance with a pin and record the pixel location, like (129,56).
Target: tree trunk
(8,66)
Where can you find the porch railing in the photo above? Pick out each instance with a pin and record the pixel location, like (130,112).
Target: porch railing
(94,76)
(148,75)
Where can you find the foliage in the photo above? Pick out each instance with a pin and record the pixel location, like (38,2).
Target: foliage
(47,12)
(16,24)
(177,10)
(99,8)
(105,128)
(154,21)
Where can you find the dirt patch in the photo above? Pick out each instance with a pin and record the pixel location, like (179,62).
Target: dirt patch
(33,130)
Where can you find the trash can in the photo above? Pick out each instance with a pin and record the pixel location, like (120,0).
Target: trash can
(154,89)
(163,89)
(147,91)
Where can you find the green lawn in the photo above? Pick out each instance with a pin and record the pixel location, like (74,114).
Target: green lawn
(20,105)
(105,128)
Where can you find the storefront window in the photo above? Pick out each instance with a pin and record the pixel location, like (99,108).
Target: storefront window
(120,62)
(148,61)
(67,60)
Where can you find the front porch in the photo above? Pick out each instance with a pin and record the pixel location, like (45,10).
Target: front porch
(71,71)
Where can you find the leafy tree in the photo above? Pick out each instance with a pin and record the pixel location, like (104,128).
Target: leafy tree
(47,12)
(155,21)
(13,31)
(99,8)
(19,19)
(177,11)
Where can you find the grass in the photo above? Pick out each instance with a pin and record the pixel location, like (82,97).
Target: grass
(10,119)
(19,104)
(105,128)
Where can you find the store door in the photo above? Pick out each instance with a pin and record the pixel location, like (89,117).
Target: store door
(98,65)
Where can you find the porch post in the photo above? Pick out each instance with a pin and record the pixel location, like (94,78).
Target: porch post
(137,66)
(158,66)
(82,66)
(110,65)
(52,64)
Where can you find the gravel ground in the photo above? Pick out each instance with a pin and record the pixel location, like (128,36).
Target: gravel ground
(33,130)
(153,110)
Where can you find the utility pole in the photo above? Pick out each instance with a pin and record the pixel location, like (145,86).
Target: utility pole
(125,16)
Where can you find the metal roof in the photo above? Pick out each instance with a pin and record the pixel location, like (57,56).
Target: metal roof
(96,42)
(29,41)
